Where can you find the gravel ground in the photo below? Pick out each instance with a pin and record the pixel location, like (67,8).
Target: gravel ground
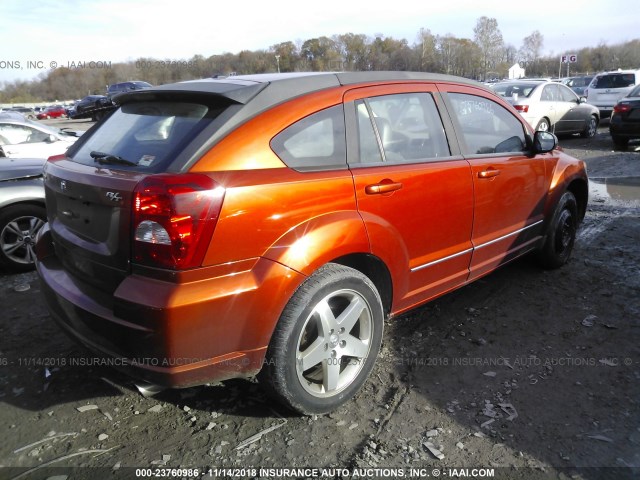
(531,373)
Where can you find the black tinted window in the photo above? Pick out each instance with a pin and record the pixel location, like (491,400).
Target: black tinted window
(316,142)
(487,126)
(149,134)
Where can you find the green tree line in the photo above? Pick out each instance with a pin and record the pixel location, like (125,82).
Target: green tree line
(482,57)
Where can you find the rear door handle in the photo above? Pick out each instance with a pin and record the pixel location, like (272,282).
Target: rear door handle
(385,186)
(491,172)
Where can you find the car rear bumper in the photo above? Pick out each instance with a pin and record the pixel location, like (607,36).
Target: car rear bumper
(624,129)
(174,334)
(605,109)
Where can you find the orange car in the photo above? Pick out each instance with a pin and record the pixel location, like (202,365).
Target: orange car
(268,224)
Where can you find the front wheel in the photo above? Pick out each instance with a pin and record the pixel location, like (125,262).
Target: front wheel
(326,341)
(561,233)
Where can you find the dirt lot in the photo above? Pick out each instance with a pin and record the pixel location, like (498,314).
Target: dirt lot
(531,373)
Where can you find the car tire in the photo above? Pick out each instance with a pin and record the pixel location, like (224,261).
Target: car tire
(620,143)
(560,234)
(591,128)
(19,225)
(340,354)
(543,125)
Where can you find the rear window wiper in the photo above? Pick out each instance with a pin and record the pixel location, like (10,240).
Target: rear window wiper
(107,158)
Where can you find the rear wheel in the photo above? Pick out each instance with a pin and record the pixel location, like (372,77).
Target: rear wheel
(561,233)
(326,341)
(19,225)
(591,128)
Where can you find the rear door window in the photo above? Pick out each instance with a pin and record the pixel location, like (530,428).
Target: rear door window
(148,134)
(401,128)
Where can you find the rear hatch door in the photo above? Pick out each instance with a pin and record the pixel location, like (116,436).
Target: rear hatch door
(608,89)
(89,211)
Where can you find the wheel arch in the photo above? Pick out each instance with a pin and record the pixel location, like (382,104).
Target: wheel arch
(580,190)
(314,243)
(546,119)
(32,202)
(376,270)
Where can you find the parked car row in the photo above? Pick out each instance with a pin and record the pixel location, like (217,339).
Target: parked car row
(40,113)
(551,105)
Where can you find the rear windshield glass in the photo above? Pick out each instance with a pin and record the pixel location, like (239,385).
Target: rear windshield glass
(508,90)
(150,135)
(614,80)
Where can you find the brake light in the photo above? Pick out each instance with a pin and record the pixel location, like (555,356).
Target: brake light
(522,108)
(174,217)
(621,107)
(54,158)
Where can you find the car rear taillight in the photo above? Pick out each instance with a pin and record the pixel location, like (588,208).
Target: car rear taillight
(174,217)
(522,108)
(55,158)
(621,107)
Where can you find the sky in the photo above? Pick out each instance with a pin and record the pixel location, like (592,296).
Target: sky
(43,33)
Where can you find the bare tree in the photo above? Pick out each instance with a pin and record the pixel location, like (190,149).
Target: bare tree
(531,50)
(489,39)
(428,50)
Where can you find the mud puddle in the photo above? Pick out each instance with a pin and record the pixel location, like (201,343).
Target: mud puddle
(615,190)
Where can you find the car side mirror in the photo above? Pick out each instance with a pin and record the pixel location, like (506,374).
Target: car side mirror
(582,100)
(51,138)
(544,142)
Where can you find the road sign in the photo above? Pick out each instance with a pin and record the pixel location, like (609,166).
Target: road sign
(573,58)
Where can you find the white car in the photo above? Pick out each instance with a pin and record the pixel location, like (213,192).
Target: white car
(607,88)
(550,106)
(28,139)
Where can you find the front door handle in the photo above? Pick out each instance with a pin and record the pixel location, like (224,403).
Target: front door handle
(491,172)
(385,186)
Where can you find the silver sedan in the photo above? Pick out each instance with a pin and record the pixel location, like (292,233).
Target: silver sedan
(550,106)
(22,211)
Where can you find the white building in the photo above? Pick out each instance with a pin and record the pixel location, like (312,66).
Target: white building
(516,71)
